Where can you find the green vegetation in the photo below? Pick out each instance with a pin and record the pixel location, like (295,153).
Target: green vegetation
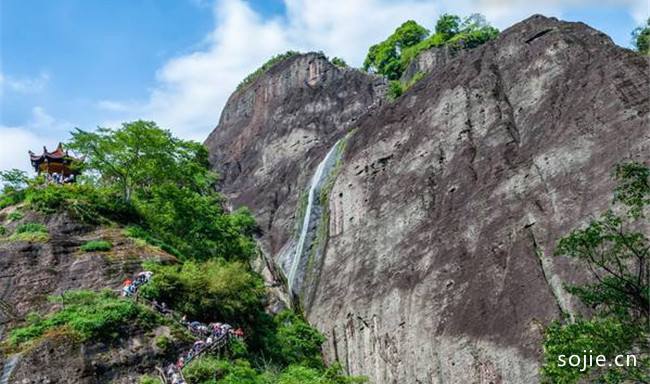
(339,62)
(147,379)
(161,190)
(87,315)
(32,232)
(384,57)
(96,246)
(15,216)
(396,88)
(618,254)
(209,290)
(265,67)
(391,56)
(641,38)
(209,370)
(14,182)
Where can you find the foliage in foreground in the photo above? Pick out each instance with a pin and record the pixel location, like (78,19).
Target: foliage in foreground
(617,252)
(212,370)
(89,315)
(391,56)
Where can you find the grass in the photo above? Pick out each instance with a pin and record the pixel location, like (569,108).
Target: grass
(396,88)
(88,315)
(15,216)
(141,238)
(97,246)
(30,232)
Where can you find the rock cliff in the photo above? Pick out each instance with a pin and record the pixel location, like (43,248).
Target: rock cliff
(32,271)
(446,205)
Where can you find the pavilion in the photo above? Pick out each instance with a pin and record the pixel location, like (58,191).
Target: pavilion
(58,165)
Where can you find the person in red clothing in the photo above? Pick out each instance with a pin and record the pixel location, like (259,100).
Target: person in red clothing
(126,287)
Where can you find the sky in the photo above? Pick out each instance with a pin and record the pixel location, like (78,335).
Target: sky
(69,64)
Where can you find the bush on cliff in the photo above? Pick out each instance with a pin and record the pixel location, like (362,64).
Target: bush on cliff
(392,56)
(32,232)
(88,315)
(214,290)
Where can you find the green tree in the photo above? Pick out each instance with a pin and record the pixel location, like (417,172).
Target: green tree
(616,250)
(448,25)
(139,155)
(14,182)
(392,56)
(641,38)
(384,57)
(339,62)
(13,179)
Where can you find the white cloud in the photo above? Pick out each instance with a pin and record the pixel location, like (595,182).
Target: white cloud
(17,140)
(26,85)
(192,89)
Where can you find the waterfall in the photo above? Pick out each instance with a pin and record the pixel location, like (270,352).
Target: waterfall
(322,171)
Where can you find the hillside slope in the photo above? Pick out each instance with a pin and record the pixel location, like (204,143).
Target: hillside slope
(443,217)
(34,270)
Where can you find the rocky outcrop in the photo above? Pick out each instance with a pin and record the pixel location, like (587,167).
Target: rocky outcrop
(33,271)
(428,61)
(273,132)
(443,218)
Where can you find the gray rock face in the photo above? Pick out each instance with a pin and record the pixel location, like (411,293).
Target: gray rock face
(438,263)
(428,61)
(274,132)
(444,217)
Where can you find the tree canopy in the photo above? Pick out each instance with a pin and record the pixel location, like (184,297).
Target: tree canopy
(391,56)
(384,57)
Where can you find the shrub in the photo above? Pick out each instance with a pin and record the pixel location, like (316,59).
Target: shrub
(148,379)
(139,233)
(32,232)
(96,246)
(339,62)
(396,88)
(392,56)
(15,216)
(31,228)
(207,291)
(96,315)
(298,342)
(85,202)
(163,342)
(265,67)
(3,230)
(209,369)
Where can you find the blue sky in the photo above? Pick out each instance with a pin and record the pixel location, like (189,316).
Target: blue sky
(83,63)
